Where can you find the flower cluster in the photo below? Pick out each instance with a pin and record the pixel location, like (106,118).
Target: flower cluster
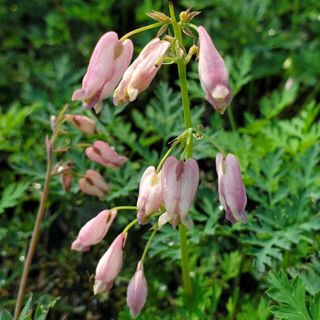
(168,190)
(110,60)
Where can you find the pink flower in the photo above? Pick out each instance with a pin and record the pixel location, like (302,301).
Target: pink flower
(94,230)
(141,72)
(150,195)
(213,73)
(109,265)
(102,153)
(232,193)
(137,291)
(93,184)
(109,60)
(82,123)
(179,181)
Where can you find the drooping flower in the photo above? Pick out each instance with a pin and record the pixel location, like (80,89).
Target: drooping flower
(232,193)
(82,123)
(102,153)
(109,60)
(179,180)
(141,72)
(213,73)
(109,265)
(150,194)
(137,291)
(93,184)
(94,230)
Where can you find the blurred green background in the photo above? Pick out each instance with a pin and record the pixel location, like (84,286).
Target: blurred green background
(267,269)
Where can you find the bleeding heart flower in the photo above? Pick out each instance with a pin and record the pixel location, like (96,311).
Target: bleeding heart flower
(82,123)
(93,184)
(94,230)
(109,265)
(141,72)
(179,180)
(150,195)
(232,193)
(102,153)
(213,73)
(109,60)
(137,291)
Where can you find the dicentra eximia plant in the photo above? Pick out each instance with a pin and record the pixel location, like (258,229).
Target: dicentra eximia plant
(167,190)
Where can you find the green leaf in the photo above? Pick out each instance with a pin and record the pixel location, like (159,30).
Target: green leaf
(5,315)
(289,296)
(26,311)
(12,195)
(315,307)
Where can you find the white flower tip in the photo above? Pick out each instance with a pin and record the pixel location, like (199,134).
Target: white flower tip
(220,93)
(163,219)
(132,93)
(97,108)
(100,287)
(77,245)
(79,94)
(134,312)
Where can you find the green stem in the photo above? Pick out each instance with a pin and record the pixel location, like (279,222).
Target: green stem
(40,214)
(131,224)
(125,208)
(167,154)
(188,153)
(231,119)
(193,26)
(155,229)
(210,139)
(145,28)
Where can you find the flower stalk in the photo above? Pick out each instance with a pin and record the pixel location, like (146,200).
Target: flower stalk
(40,214)
(188,153)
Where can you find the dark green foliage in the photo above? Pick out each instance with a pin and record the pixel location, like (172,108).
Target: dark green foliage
(272,50)
(290,297)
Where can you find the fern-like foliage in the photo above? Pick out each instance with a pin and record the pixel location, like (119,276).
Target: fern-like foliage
(12,195)
(290,300)
(285,217)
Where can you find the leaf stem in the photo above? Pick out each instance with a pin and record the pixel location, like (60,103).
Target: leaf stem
(39,218)
(131,224)
(178,140)
(231,119)
(125,208)
(211,140)
(155,229)
(142,29)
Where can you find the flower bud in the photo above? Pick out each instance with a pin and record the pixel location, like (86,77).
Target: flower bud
(66,176)
(141,72)
(150,195)
(179,180)
(82,123)
(109,265)
(213,73)
(137,291)
(49,146)
(232,193)
(109,60)
(53,122)
(101,152)
(94,230)
(93,184)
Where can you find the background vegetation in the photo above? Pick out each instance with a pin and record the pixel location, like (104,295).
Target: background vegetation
(267,269)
